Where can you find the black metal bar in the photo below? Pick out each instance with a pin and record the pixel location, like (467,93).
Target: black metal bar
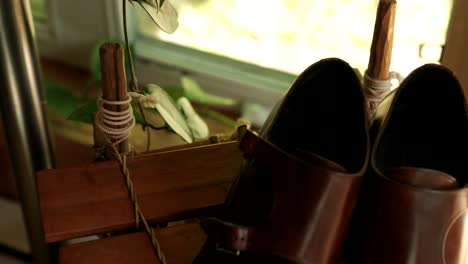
(23,111)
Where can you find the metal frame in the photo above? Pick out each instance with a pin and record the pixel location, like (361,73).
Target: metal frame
(23,110)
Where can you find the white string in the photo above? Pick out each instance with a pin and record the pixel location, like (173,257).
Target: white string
(136,95)
(376,90)
(397,76)
(116,125)
(147,100)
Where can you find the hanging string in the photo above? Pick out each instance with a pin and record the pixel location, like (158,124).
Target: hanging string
(376,90)
(116,126)
(146,100)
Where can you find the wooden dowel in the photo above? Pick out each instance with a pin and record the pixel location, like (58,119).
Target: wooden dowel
(114,81)
(99,139)
(382,42)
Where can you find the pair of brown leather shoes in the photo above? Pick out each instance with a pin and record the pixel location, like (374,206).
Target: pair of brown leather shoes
(296,193)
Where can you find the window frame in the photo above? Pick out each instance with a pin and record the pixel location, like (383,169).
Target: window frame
(164,63)
(220,75)
(455,54)
(156,61)
(74,27)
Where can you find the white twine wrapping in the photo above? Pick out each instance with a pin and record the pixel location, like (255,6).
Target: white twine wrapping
(376,90)
(115,125)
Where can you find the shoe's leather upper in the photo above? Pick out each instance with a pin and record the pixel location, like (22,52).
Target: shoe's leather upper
(415,203)
(297,189)
(311,199)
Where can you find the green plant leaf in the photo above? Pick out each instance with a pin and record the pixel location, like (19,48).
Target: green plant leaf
(60,98)
(170,112)
(163,15)
(157,4)
(194,93)
(175,92)
(153,118)
(95,63)
(136,113)
(84,113)
(196,124)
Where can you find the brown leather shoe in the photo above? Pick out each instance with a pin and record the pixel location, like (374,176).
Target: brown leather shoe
(415,201)
(297,189)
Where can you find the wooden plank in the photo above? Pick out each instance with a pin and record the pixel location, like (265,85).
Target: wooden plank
(93,199)
(180,245)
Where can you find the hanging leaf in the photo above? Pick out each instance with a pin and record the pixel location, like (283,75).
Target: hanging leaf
(170,112)
(59,98)
(153,117)
(163,14)
(197,125)
(194,92)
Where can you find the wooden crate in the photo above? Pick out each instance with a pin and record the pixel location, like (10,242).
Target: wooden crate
(172,185)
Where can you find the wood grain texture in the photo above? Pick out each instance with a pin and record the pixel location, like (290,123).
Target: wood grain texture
(382,42)
(114,81)
(93,199)
(180,245)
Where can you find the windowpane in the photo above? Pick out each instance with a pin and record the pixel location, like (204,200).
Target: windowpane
(38,11)
(291,34)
